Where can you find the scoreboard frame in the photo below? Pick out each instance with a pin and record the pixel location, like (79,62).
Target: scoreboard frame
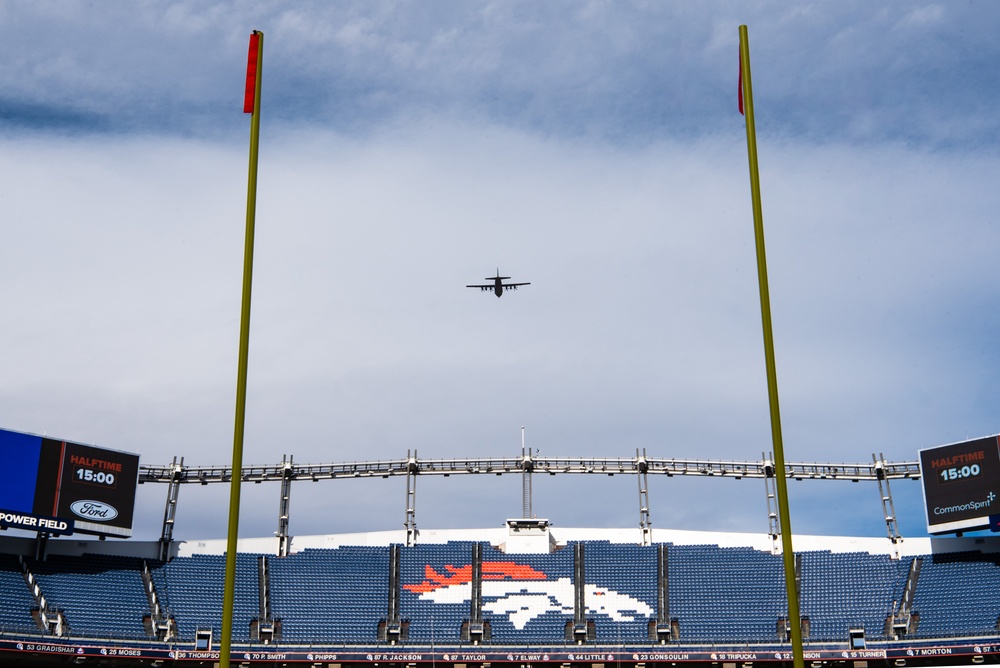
(961,485)
(60,487)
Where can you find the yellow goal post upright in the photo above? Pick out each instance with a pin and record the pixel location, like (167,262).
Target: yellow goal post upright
(746,107)
(251,105)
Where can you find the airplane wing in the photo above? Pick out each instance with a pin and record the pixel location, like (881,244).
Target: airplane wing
(513,286)
(483,287)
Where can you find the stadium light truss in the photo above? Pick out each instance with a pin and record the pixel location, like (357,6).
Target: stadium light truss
(764,468)
(409,468)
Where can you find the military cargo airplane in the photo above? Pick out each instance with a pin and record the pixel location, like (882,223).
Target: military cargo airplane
(498,285)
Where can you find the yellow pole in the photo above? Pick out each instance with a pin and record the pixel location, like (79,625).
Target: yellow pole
(772,377)
(229,587)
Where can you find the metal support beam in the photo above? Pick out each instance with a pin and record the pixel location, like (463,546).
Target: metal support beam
(645,525)
(579,584)
(771,490)
(476,600)
(662,591)
(888,508)
(170,511)
(580,626)
(392,619)
(526,468)
(284,539)
(412,469)
(41,546)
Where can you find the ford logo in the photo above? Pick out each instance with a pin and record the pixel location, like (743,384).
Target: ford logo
(94,510)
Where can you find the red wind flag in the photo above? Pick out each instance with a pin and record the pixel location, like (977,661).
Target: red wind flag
(248,98)
(739,86)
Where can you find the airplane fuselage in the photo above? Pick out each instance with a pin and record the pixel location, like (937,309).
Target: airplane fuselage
(498,284)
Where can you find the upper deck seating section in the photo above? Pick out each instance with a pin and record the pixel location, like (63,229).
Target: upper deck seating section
(191,591)
(331,595)
(100,596)
(958,595)
(731,594)
(526,597)
(844,591)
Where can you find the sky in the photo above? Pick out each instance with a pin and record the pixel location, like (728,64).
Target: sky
(594,149)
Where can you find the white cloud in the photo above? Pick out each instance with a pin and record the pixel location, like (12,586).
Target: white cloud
(640,329)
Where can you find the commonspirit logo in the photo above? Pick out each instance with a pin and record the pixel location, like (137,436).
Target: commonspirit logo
(971,505)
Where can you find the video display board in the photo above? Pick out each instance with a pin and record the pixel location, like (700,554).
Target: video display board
(962,485)
(59,487)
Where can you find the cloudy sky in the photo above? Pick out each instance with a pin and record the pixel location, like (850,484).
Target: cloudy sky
(591,148)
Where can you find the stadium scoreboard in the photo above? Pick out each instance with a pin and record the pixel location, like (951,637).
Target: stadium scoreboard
(59,487)
(962,485)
